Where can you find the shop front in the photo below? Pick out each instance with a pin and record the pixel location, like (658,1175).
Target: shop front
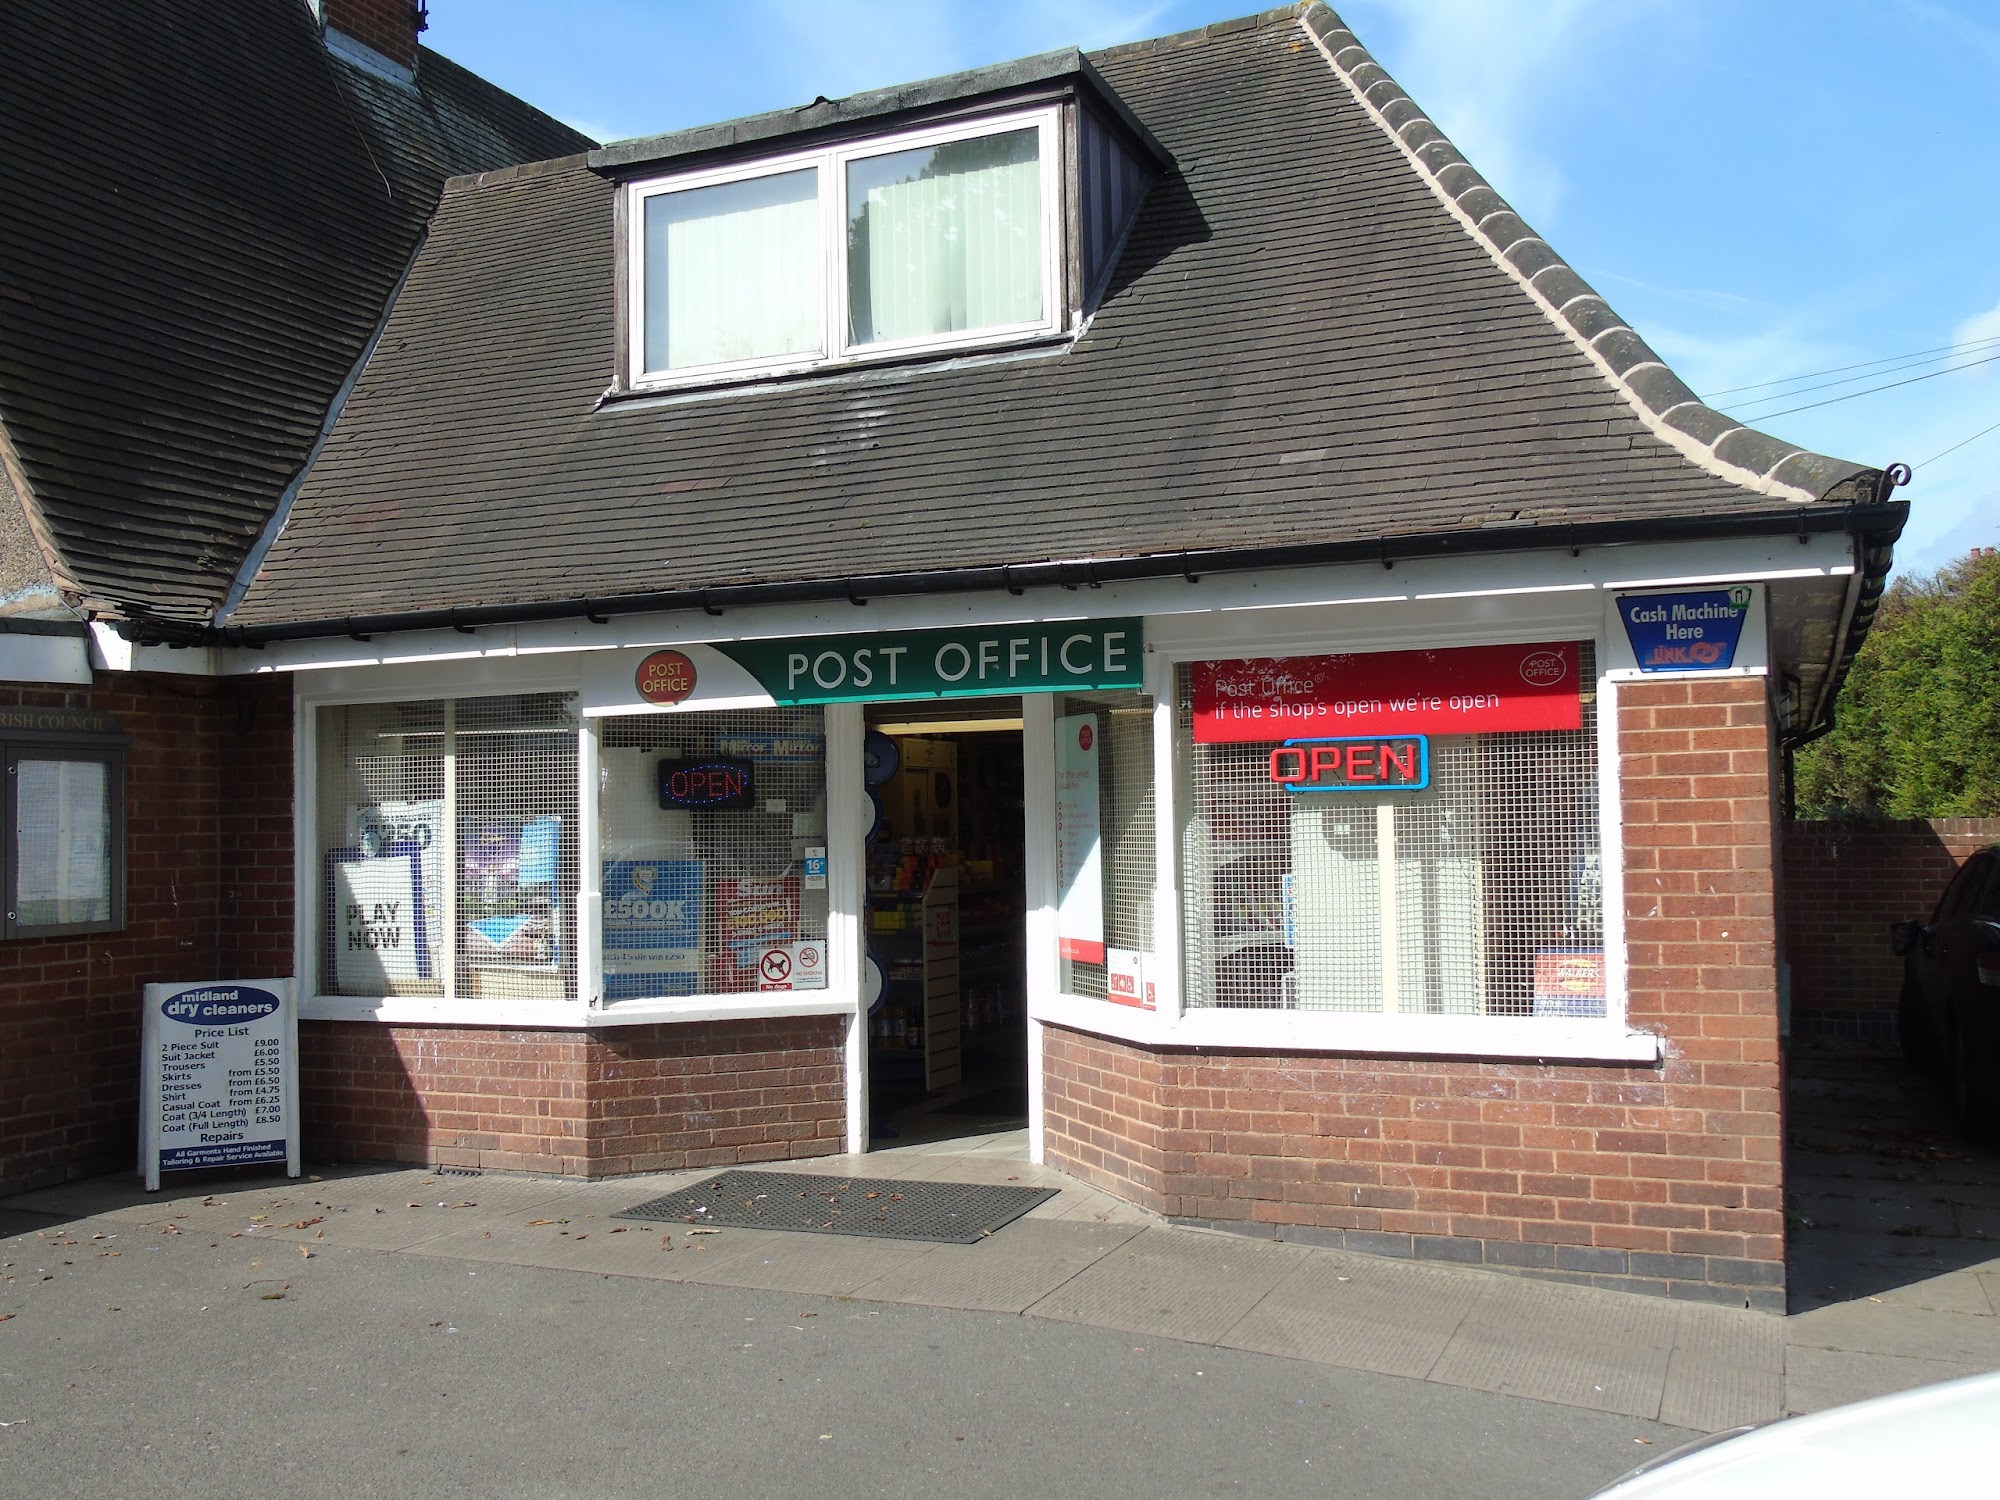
(1300,920)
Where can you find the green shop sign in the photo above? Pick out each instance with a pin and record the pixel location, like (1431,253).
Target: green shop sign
(945,663)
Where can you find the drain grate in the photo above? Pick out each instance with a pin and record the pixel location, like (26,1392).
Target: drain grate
(951,1213)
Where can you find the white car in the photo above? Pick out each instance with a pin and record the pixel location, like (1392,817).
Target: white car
(1939,1437)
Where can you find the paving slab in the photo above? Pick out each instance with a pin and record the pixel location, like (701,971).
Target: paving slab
(1020,1265)
(1908,1332)
(1362,1312)
(1727,1369)
(1176,1283)
(1816,1379)
(1608,1351)
(822,1265)
(549,1238)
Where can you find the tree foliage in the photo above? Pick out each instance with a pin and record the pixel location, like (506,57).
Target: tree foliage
(1918,721)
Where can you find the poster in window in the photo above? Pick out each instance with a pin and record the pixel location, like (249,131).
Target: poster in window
(62,830)
(652,927)
(751,916)
(507,892)
(377,938)
(1456,690)
(1079,848)
(374,827)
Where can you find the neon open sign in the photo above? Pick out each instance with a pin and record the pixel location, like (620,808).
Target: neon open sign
(1364,763)
(707,783)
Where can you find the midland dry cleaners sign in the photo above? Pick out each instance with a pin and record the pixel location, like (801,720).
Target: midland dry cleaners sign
(962,663)
(220,1069)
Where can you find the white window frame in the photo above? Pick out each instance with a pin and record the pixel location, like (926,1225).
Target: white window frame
(1174,1024)
(830,163)
(587,1009)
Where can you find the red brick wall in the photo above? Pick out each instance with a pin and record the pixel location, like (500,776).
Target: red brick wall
(389,26)
(586,1104)
(255,936)
(1845,882)
(1664,1178)
(69,1008)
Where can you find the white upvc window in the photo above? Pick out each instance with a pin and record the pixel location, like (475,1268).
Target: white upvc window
(934,239)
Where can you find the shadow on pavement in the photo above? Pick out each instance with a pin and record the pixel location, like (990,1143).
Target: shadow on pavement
(1882,1193)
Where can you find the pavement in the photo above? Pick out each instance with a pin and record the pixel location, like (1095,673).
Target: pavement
(1893,1285)
(1893,1231)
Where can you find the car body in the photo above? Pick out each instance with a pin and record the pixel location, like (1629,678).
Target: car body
(1948,1016)
(1937,1437)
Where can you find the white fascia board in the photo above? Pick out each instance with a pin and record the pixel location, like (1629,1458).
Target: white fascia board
(1529,1039)
(1496,587)
(59,660)
(111,652)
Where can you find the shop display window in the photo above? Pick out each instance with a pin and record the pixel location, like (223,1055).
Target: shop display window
(1106,869)
(447,848)
(1462,876)
(712,853)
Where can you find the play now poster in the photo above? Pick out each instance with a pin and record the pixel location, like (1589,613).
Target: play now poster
(1079,854)
(1455,690)
(219,1082)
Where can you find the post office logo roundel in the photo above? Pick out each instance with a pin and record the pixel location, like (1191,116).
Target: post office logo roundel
(666,678)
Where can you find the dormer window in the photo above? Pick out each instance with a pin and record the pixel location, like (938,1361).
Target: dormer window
(931,239)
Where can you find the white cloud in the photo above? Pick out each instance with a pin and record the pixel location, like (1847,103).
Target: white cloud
(1980,327)
(1480,69)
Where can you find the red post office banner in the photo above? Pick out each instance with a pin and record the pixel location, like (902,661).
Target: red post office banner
(1460,690)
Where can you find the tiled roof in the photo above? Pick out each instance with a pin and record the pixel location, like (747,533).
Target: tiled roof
(1324,330)
(205,214)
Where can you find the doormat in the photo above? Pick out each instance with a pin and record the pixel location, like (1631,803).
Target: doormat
(946,1213)
(1007,1103)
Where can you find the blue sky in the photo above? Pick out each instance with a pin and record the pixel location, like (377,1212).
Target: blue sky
(1764,188)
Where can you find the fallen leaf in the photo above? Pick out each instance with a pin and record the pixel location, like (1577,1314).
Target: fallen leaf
(307,1223)
(305,1252)
(5,1316)
(538,1223)
(620,1229)
(666,1242)
(272,1297)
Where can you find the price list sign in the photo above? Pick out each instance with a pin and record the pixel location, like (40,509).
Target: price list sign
(221,1077)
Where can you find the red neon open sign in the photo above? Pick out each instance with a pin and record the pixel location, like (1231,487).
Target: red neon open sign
(1364,763)
(707,783)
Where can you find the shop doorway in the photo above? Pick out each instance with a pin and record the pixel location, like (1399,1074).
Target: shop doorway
(946,921)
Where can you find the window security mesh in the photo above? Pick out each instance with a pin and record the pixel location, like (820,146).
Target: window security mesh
(712,896)
(1481,895)
(447,837)
(1125,811)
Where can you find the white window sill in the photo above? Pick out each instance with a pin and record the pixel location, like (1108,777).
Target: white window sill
(721,1008)
(1497,1038)
(732,377)
(571,1015)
